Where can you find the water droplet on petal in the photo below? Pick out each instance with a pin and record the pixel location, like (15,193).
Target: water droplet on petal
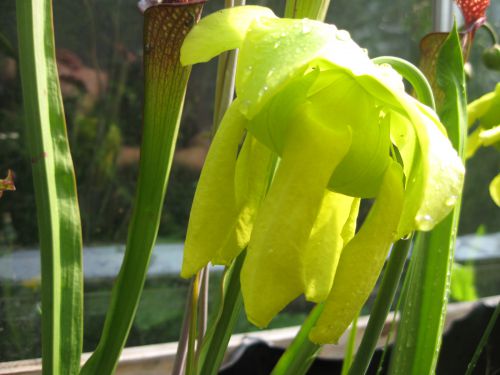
(343,35)
(263,91)
(245,106)
(306,28)
(424,222)
(451,201)
(247,72)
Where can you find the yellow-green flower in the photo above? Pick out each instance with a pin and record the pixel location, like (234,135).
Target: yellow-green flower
(485,113)
(342,129)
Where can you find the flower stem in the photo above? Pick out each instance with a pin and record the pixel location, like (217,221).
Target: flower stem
(483,341)
(491,31)
(350,347)
(301,353)
(193,325)
(180,358)
(413,75)
(217,338)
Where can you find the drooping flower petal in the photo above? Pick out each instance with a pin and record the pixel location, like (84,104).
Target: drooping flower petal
(350,225)
(440,179)
(490,136)
(270,125)
(221,31)
(495,190)
(266,65)
(254,169)
(362,260)
(344,100)
(271,276)
(404,138)
(322,253)
(214,213)
(485,109)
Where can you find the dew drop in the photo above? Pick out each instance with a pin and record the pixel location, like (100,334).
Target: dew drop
(306,28)
(343,35)
(451,201)
(424,222)
(247,72)
(245,106)
(406,236)
(262,91)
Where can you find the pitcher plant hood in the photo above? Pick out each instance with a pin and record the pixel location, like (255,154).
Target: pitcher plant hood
(316,127)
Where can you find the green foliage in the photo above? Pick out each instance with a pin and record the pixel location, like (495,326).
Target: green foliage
(462,281)
(55,191)
(421,325)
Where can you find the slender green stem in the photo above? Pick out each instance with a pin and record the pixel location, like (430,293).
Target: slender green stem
(224,87)
(381,307)
(55,190)
(392,328)
(350,347)
(226,72)
(180,358)
(301,353)
(483,341)
(491,31)
(217,338)
(413,75)
(193,327)
(202,306)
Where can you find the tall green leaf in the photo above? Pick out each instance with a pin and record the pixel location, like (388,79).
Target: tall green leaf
(165,27)
(419,333)
(55,190)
